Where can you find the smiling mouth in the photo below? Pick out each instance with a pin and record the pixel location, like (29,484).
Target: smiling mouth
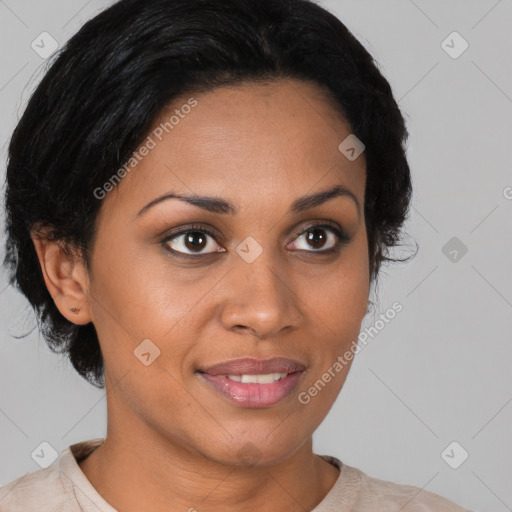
(262,378)
(254,383)
(261,390)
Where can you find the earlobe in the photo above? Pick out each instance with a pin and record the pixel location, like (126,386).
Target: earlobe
(65,278)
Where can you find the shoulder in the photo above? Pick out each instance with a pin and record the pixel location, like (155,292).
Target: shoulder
(390,496)
(38,490)
(51,489)
(367,494)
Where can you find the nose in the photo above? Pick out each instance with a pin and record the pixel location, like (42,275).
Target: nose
(259,298)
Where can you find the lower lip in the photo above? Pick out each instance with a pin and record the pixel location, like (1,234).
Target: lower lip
(253,395)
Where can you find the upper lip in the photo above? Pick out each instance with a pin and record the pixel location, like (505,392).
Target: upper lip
(252,366)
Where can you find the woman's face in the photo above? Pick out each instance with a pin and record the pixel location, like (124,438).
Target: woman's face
(204,285)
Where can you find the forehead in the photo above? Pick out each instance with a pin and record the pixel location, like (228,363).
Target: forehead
(277,139)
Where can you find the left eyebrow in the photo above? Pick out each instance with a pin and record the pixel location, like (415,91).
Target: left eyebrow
(318,198)
(217,205)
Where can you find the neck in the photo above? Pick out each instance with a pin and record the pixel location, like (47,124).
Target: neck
(138,469)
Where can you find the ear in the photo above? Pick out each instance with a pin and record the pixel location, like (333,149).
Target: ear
(65,276)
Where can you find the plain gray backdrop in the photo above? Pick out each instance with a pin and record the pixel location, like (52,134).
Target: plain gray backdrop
(434,385)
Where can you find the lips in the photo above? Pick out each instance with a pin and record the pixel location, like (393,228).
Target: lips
(253,366)
(252,382)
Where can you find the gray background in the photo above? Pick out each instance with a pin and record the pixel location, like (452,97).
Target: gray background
(441,370)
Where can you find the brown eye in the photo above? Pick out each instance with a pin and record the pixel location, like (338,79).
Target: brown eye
(321,238)
(195,240)
(192,242)
(316,238)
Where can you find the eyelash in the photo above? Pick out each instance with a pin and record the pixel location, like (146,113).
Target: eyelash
(342,237)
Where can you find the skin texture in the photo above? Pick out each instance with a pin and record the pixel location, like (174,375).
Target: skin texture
(174,443)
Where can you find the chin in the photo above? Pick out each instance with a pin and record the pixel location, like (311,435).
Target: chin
(251,450)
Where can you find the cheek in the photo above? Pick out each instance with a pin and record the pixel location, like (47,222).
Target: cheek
(138,291)
(140,296)
(337,308)
(355,278)
(338,295)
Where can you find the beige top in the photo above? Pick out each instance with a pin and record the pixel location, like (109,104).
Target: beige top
(63,487)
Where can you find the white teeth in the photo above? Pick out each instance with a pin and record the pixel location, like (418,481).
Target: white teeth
(266,378)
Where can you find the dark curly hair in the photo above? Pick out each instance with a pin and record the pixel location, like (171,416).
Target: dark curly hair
(106,87)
